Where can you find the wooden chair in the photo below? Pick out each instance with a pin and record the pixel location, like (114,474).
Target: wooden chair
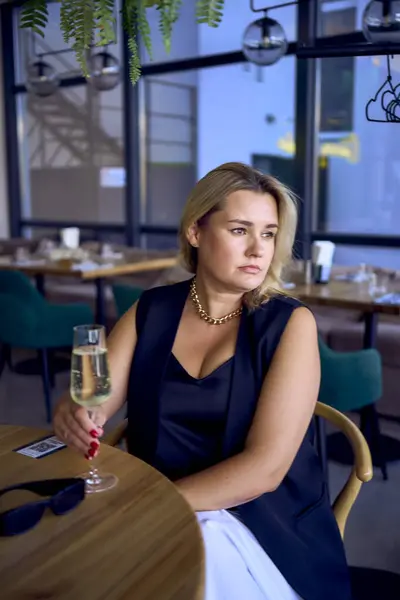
(362,467)
(361,471)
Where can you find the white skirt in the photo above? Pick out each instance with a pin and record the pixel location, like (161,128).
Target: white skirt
(237,568)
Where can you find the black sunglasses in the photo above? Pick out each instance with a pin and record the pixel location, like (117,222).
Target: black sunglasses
(65,494)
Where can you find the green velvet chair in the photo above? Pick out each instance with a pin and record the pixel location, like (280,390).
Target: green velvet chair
(28,320)
(125,296)
(352,381)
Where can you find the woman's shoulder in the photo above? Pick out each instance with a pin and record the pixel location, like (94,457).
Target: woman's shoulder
(279,304)
(276,313)
(166,291)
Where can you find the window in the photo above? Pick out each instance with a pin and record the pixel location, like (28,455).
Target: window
(71,155)
(71,142)
(363,187)
(337,74)
(385,258)
(200,119)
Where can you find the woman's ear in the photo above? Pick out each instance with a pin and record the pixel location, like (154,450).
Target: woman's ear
(193,235)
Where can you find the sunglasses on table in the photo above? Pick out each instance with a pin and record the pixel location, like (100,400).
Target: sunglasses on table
(63,495)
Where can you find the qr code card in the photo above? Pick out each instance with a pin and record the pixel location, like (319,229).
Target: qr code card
(42,447)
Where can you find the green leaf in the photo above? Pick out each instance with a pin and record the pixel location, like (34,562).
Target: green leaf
(34,15)
(129,22)
(84,25)
(134,61)
(143,26)
(209,12)
(169,13)
(104,21)
(67,23)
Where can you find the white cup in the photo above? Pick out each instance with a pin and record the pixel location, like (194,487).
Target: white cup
(70,237)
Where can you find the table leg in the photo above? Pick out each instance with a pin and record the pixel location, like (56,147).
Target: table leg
(371,329)
(369,417)
(40,284)
(100,302)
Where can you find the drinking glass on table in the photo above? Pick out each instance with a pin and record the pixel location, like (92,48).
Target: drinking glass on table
(90,387)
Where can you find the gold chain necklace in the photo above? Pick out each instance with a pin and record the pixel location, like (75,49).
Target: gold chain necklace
(205,316)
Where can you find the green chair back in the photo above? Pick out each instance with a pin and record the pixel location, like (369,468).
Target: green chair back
(20,286)
(28,320)
(349,380)
(18,322)
(125,296)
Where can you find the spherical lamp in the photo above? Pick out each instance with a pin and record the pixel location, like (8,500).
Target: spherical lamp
(42,79)
(264,42)
(381,21)
(104,71)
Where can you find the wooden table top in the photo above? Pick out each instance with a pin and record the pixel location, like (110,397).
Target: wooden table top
(119,267)
(343,294)
(138,541)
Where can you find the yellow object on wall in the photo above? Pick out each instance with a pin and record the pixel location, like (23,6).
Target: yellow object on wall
(348,147)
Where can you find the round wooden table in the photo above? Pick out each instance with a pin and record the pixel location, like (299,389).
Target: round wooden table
(137,541)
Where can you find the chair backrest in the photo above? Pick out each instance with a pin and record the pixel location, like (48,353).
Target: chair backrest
(361,472)
(349,380)
(125,296)
(18,321)
(19,285)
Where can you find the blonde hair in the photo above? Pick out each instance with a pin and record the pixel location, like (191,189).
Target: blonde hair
(208,196)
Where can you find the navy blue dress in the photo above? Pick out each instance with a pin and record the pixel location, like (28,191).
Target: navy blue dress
(182,425)
(192,420)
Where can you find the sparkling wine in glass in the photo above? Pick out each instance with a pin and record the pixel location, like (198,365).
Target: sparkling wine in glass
(90,387)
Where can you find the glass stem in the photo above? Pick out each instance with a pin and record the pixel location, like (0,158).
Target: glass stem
(93,471)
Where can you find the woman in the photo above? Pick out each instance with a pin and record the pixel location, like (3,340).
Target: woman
(221,375)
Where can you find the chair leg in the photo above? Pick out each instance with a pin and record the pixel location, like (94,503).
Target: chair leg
(52,369)
(46,382)
(3,358)
(7,356)
(369,425)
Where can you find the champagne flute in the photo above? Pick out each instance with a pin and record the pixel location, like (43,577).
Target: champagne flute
(90,387)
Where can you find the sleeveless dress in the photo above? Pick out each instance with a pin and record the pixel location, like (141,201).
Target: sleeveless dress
(192,422)
(285,544)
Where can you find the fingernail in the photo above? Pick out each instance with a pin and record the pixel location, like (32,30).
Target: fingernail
(88,457)
(92,452)
(94,445)
(94,433)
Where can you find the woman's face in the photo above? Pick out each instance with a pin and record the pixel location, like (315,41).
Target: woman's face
(236,244)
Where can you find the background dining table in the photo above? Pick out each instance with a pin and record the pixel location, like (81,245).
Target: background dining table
(349,295)
(138,541)
(138,261)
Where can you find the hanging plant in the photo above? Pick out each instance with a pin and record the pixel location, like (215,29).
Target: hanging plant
(87,23)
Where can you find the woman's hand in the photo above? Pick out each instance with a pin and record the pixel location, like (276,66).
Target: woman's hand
(73,426)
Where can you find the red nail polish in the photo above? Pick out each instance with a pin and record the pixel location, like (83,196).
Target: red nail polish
(94,433)
(94,445)
(92,452)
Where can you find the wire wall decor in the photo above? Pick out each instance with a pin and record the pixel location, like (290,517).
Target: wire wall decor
(386,101)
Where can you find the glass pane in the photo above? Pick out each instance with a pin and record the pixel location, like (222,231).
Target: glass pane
(337,18)
(198,120)
(72,155)
(385,258)
(360,189)
(348,15)
(190,39)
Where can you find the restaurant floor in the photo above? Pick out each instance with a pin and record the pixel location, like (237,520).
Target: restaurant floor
(373,534)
